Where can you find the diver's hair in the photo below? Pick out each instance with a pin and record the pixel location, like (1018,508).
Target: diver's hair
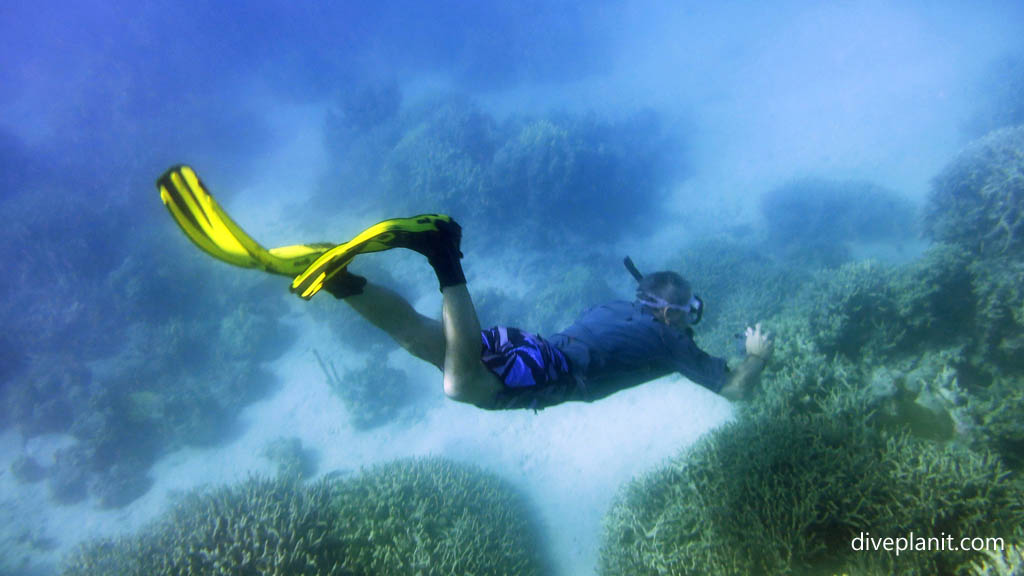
(667,285)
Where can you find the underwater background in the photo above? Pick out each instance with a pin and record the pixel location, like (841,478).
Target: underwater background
(849,174)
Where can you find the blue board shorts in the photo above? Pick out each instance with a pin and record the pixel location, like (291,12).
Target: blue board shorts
(535,372)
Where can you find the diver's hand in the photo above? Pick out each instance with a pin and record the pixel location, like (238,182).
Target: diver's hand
(759,343)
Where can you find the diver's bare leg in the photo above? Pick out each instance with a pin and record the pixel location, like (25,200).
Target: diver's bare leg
(386,309)
(466,379)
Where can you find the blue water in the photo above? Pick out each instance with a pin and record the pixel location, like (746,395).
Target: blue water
(562,135)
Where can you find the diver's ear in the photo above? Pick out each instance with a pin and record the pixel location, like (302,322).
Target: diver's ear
(662,315)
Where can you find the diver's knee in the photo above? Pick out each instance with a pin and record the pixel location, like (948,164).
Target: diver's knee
(456,388)
(469,390)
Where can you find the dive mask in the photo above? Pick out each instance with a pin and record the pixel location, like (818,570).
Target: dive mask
(694,309)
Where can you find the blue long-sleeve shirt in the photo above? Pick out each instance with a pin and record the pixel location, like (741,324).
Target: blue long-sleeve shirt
(621,344)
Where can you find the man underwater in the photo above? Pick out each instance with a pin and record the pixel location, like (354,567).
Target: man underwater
(609,348)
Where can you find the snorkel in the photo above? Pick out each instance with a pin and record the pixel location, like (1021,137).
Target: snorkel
(693,309)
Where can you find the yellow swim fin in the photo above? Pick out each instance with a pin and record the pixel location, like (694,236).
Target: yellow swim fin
(209,227)
(381,236)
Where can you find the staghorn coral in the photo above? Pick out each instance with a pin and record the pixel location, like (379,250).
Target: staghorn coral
(1007,562)
(257,527)
(997,415)
(977,201)
(867,311)
(932,346)
(783,494)
(998,287)
(740,285)
(436,516)
(853,311)
(426,516)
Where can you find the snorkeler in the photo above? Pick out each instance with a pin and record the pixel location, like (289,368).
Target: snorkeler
(609,348)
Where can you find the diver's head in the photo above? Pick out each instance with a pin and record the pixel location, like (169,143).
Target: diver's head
(671,299)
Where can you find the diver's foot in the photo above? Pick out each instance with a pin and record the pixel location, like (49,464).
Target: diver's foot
(440,243)
(344,284)
(440,237)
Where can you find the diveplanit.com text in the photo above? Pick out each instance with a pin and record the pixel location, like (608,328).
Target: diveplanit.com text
(865,542)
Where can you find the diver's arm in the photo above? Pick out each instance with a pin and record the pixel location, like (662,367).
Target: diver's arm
(742,380)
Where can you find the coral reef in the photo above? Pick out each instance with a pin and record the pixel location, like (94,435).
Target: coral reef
(407,517)
(740,285)
(776,494)
(439,162)
(374,394)
(41,398)
(532,179)
(866,310)
(977,201)
(1007,562)
(438,516)
(998,288)
(815,220)
(181,350)
(257,527)
(291,459)
(548,171)
(892,403)
(997,418)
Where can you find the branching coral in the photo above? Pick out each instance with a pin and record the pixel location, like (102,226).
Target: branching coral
(774,495)
(739,284)
(997,414)
(410,517)
(1006,562)
(257,527)
(852,311)
(999,322)
(436,516)
(978,200)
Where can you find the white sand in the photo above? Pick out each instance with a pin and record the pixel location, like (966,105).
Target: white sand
(570,460)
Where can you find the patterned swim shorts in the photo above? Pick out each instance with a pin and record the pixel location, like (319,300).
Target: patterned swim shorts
(536,374)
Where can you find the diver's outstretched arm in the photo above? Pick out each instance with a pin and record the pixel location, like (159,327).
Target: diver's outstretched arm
(741,382)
